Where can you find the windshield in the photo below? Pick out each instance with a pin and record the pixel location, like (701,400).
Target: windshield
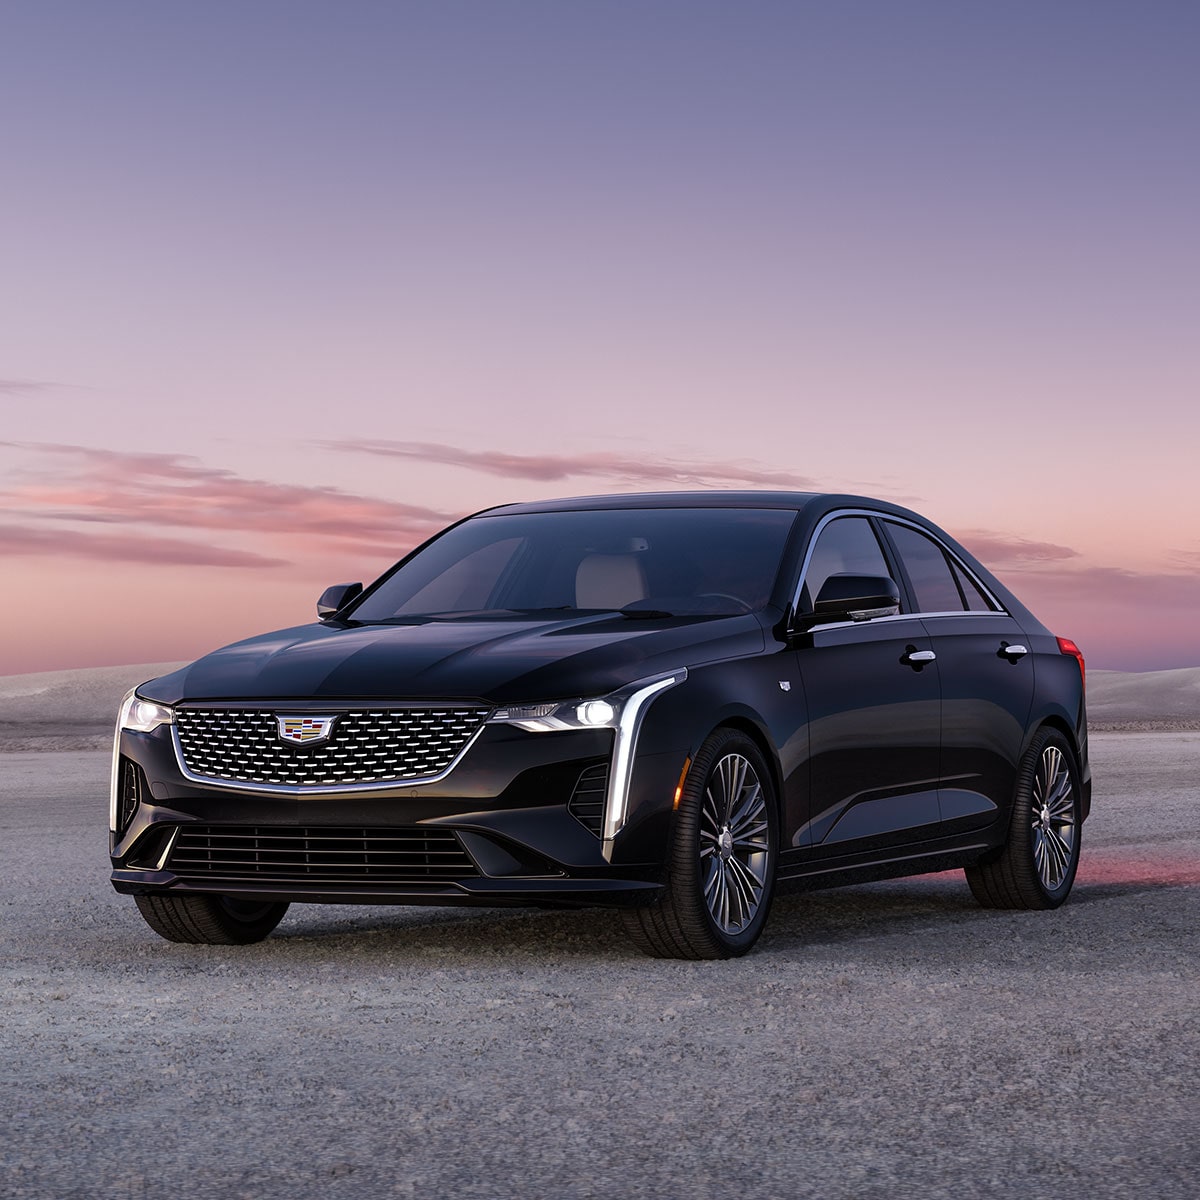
(646,562)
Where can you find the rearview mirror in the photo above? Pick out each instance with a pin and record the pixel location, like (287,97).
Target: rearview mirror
(335,597)
(857,598)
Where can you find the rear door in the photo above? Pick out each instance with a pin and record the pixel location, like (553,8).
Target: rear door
(986,674)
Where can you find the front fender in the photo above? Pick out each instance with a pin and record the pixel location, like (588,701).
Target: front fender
(745,694)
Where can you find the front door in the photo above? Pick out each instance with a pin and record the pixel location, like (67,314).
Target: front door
(874,713)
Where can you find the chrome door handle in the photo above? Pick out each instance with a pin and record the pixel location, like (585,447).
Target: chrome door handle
(916,657)
(1012,653)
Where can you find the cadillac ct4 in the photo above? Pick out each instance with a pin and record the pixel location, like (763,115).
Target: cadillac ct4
(670,704)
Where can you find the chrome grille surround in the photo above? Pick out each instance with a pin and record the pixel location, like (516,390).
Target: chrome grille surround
(319,854)
(376,746)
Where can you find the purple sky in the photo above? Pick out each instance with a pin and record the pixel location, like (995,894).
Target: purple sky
(284,286)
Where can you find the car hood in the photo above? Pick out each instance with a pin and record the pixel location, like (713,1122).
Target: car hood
(503,660)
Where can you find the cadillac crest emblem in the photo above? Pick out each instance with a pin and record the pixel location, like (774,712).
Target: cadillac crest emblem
(301,731)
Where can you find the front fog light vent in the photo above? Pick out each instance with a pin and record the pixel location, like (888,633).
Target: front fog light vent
(131,791)
(587,801)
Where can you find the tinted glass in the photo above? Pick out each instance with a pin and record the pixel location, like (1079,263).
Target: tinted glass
(976,600)
(680,560)
(928,570)
(847,546)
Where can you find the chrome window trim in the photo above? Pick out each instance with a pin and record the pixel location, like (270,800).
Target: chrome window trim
(999,610)
(228,785)
(962,566)
(629,725)
(860,624)
(903,617)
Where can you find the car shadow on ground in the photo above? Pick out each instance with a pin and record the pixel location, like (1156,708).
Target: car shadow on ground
(935,913)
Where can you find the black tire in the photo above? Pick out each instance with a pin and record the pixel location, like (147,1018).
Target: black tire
(210,920)
(1036,866)
(719,887)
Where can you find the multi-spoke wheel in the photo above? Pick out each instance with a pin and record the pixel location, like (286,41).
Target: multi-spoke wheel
(721,869)
(211,920)
(1036,866)
(734,844)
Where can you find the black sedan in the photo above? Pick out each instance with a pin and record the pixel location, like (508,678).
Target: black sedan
(670,704)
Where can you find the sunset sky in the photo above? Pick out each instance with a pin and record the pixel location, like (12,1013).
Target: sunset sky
(284,287)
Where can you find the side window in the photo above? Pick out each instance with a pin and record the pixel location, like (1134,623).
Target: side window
(928,569)
(847,546)
(976,600)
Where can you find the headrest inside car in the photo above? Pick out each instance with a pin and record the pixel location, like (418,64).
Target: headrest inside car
(609,581)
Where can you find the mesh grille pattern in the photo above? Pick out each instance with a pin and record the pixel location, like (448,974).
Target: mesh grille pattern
(587,801)
(319,854)
(364,746)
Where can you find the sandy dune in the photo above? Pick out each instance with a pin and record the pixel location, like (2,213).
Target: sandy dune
(1144,700)
(67,710)
(74,710)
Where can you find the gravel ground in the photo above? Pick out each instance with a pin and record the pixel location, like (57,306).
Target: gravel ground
(891,1040)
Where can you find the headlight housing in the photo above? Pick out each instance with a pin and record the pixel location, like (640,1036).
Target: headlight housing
(601,713)
(143,716)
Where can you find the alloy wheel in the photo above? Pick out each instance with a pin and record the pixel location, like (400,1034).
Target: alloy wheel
(1053,818)
(734,845)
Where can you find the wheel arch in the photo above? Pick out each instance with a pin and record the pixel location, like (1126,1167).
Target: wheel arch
(1059,723)
(745,726)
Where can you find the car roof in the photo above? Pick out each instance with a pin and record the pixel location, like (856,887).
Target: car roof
(816,503)
(697,499)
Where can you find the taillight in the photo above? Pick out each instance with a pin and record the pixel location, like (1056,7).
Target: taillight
(1066,646)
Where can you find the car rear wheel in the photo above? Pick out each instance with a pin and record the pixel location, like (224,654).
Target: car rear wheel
(1036,867)
(721,865)
(210,920)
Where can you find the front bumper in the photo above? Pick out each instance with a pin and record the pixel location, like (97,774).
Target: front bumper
(515,822)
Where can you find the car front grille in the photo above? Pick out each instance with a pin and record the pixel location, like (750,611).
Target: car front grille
(318,854)
(364,746)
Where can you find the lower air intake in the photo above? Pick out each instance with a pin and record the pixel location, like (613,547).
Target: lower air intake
(587,801)
(319,855)
(131,791)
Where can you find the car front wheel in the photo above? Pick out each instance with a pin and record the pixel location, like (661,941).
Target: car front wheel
(210,920)
(1036,867)
(721,864)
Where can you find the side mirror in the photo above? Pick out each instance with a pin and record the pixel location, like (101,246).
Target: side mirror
(857,598)
(338,596)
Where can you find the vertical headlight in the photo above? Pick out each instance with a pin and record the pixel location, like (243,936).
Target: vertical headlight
(621,711)
(142,716)
(629,722)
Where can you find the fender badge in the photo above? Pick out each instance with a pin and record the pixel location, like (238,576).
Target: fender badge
(784,686)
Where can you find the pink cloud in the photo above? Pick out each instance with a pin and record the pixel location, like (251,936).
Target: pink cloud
(991,547)
(1140,592)
(25,387)
(79,486)
(553,467)
(169,552)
